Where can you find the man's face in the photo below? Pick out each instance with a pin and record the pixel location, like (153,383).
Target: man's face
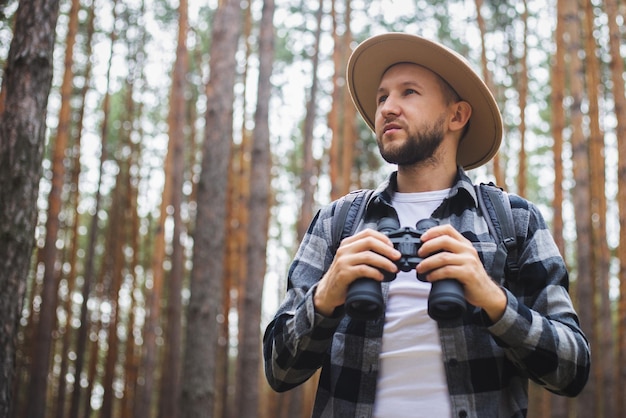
(411,115)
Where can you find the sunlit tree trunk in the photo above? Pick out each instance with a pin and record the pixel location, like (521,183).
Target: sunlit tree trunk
(480,20)
(523,99)
(616,66)
(557,95)
(587,405)
(599,248)
(206,287)
(260,200)
(308,176)
(171,367)
(338,121)
(552,406)
(235,271)
(349,131)
(26,84)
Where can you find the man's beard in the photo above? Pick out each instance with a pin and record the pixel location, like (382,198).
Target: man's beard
(418,147)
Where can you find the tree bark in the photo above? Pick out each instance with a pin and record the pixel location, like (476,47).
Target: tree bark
(171,366)
(616,66)
(260,200)
(26,86)
(308,175)
(581,197)
(206,287)
(599,248)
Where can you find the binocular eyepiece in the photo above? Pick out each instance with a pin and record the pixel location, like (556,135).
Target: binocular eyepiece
(365,299)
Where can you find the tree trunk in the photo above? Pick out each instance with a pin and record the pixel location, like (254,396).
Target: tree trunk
(235,271)
(26,86)
(171,367)
(523,99)
(40,365)
(260,198)
(617,70)
(308,175)
(335,114)
(587,405)
(206,287)
(112,281)
(349,131)
(599,247)
(480,21)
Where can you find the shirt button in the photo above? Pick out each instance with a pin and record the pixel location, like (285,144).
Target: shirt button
(462,413)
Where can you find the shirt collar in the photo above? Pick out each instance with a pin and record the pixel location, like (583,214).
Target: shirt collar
(462,188)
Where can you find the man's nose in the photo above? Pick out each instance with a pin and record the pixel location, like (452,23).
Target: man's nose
(390,106)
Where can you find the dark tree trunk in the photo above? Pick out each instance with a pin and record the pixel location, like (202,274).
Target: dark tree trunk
(206,287)
(26,86)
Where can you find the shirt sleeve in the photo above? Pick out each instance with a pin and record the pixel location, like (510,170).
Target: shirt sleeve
(297,340)
(540,331)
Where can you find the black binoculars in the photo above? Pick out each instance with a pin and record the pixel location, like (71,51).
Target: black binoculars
(365,299)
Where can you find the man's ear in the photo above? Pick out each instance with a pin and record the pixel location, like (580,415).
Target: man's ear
(460,116)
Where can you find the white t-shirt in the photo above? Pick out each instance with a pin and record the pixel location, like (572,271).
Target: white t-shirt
(411,380)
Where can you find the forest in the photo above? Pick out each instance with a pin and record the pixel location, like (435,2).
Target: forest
(160,161)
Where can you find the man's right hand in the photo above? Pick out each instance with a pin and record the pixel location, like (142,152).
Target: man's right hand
(364,254)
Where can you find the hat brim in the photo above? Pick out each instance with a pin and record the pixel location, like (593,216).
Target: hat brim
(374,56)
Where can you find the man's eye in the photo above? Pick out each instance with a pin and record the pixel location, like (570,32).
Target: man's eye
(410,91)
(381,99)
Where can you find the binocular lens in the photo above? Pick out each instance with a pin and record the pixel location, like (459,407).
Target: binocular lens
(446,300)
(365,300)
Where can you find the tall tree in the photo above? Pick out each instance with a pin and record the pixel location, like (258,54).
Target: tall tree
(260,199)
(581,198)
(342,116)
(552,405)
(599,246)
(523,100)
(482,28)
(25,89)
(235,273)
(171,368)
(47,318)
(308,164)
(616,66)
(206,287)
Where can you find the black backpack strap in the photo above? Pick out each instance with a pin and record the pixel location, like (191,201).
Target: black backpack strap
(345,222)
(495,203)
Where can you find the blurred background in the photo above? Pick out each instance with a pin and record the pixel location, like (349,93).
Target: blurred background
(189,143)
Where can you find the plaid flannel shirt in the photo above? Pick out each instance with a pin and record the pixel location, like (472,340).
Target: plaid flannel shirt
(487,364)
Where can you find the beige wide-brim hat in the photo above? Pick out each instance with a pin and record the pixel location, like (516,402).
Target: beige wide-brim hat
(374,56)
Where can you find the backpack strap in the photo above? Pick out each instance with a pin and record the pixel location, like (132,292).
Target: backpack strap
(344,223)
(495,204)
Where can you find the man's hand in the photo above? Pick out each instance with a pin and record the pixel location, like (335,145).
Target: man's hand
(360,255)
(449,255)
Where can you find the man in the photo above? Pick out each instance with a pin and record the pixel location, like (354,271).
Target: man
(434,118)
